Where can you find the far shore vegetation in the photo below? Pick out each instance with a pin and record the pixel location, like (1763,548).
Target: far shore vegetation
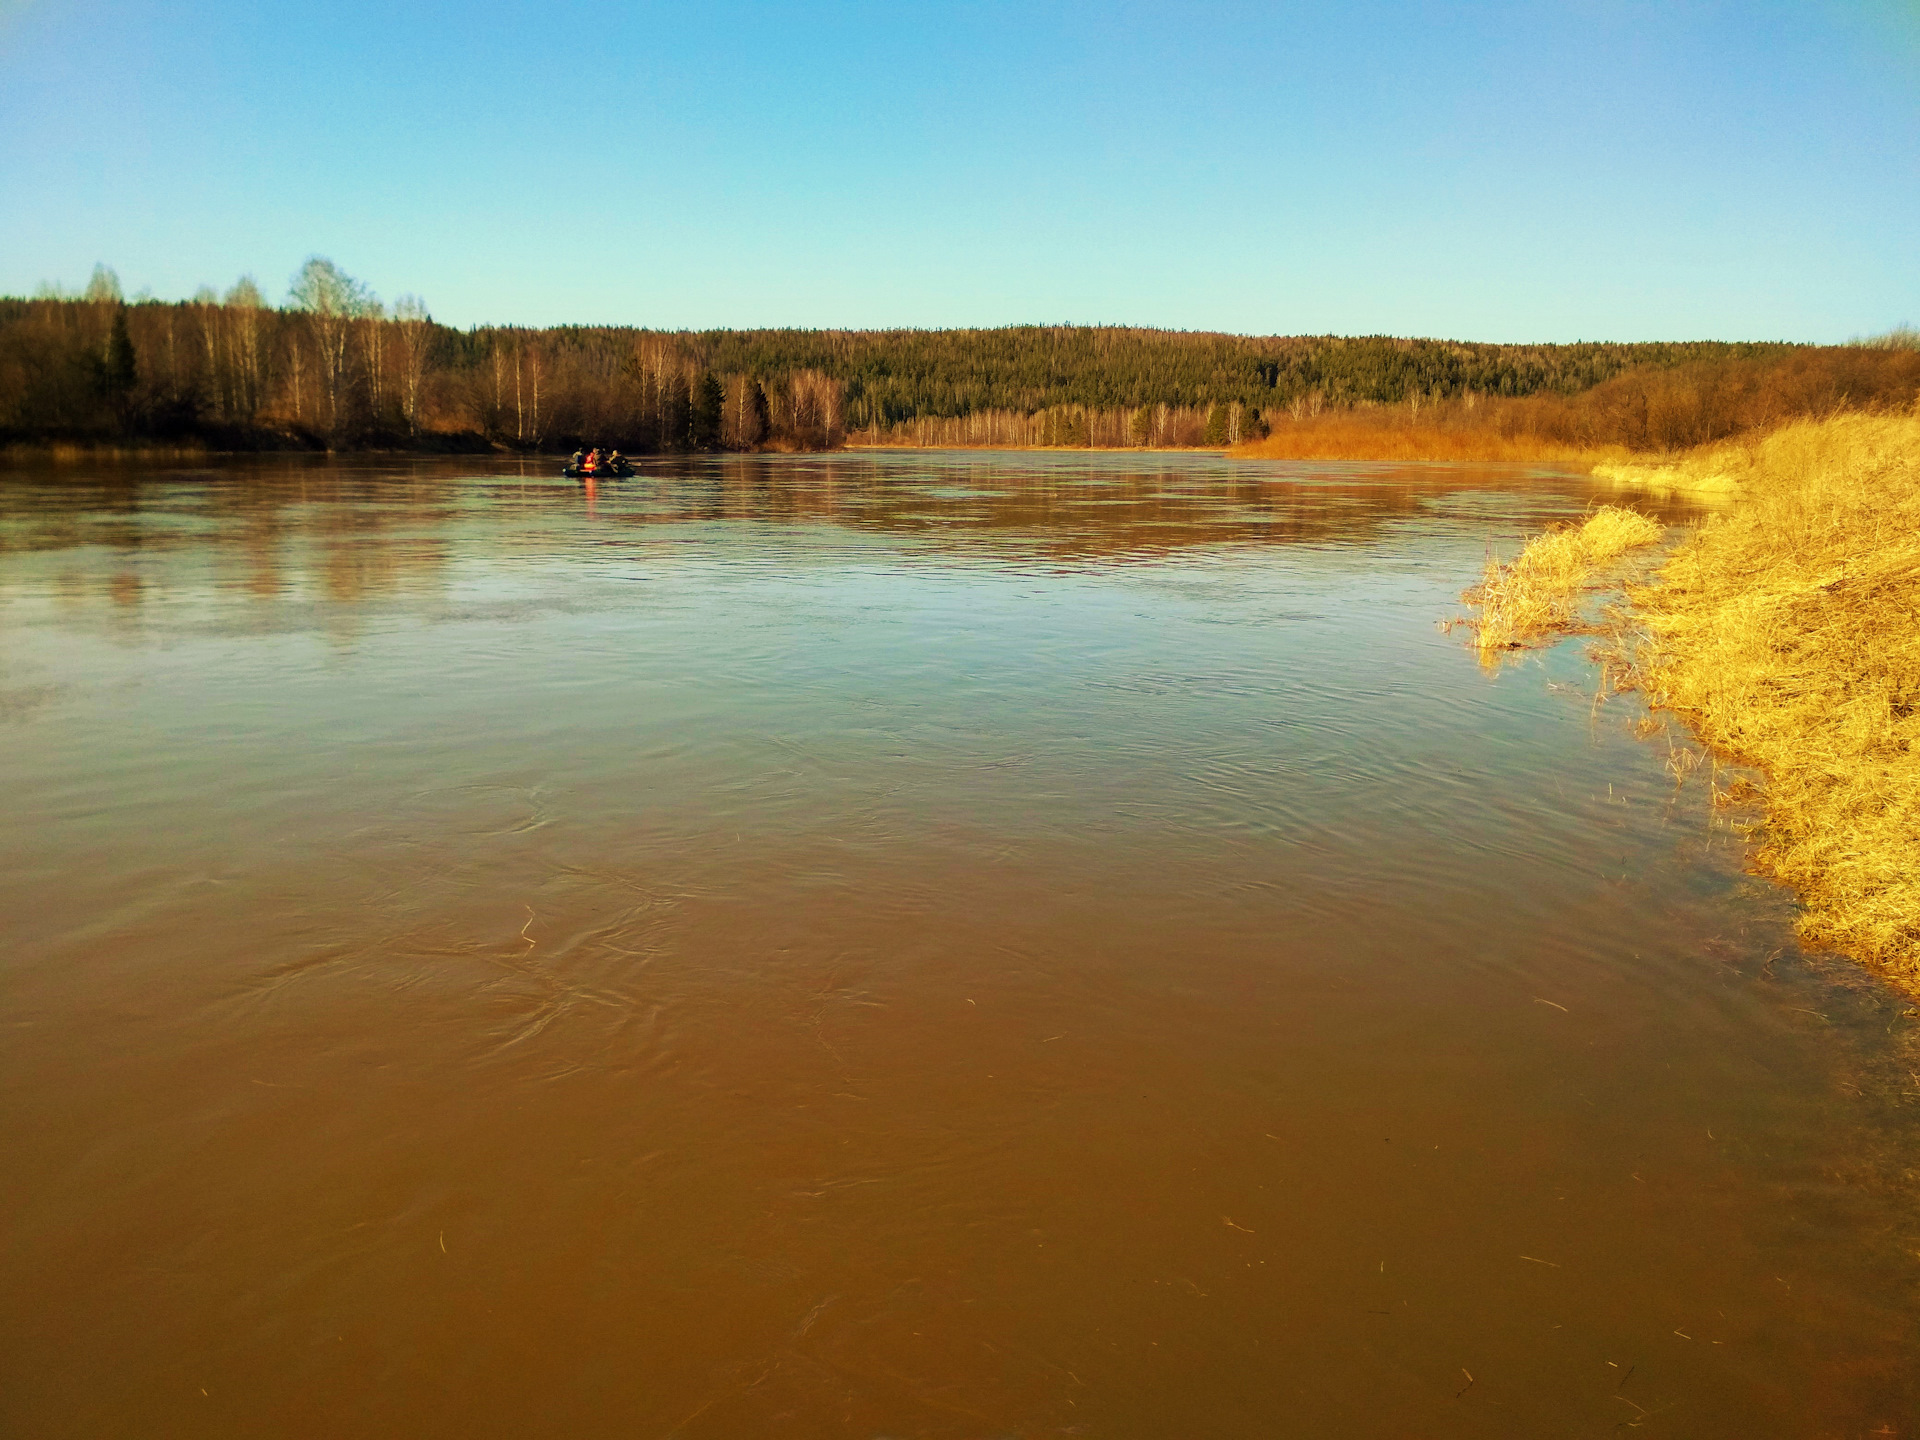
(330,366)
(1785,631)
(1649,410)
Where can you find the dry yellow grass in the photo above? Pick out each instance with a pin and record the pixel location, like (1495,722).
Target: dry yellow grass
(1712,470)
(1535,594)
(1787,633)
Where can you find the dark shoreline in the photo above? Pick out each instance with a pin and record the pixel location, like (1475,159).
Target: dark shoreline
(77,449)
(64,448)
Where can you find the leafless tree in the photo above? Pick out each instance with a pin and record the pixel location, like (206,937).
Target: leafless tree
(206,314)
(498,357)
(372,325)
(410,315)
(332,300)
(104,287)
(244,303)
(536,364)
(293,359)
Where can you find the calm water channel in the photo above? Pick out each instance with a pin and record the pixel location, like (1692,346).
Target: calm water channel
(891,945)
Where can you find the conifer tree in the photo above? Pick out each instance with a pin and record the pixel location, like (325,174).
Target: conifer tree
(709,405)
(1216,425)
(120,373)
(757,408)
(676,414)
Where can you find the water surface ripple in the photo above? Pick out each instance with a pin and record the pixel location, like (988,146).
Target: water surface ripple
(891,944)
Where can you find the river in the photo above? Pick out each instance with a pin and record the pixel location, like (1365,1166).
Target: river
(892,944)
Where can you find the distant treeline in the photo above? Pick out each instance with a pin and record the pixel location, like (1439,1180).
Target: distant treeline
(1157,427)
(896,375)
(1647,409)
(334,366)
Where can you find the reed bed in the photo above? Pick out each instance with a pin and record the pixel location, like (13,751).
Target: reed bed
(1536,593)
(1786,632)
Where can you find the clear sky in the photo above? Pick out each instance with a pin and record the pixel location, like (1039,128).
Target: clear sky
(1501,171)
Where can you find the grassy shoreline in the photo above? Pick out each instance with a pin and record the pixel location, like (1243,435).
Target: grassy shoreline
(1786,633)
(1536,594)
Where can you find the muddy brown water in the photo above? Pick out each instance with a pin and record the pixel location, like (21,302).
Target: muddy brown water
(891,945)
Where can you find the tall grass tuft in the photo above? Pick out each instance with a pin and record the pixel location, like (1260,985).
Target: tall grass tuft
(1536,593)
(1787,632)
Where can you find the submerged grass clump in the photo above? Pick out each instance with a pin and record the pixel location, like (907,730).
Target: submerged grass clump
(1787,633)
(1535,594)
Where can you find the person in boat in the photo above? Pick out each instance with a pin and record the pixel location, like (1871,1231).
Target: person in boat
(578,457)
(591,465)
(615,461)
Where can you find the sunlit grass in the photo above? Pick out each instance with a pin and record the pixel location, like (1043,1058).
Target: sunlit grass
(1787,633)
(1536,593)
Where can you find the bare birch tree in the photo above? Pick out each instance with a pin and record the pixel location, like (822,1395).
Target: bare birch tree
(104,287)
(410,315)
(243,304)
(499,377)
(332,300)
(372,325)
(293,357)
(206,310)
(535,367)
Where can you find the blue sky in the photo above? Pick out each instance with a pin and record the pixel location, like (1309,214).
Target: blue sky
(1497,171)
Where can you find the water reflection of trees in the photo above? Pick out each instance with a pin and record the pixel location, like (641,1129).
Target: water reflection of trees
(354,534)
(346,538)
(1062,506)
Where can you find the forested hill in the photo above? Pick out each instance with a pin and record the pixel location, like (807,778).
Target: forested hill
(335,366)
(894,375)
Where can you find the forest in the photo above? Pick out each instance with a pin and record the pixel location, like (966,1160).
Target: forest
(334,367)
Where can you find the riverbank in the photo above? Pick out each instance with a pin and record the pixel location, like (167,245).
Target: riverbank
(231,441)
(1537,593)
(42,450)
(1017,449)
(1341,437)
(1785,632)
